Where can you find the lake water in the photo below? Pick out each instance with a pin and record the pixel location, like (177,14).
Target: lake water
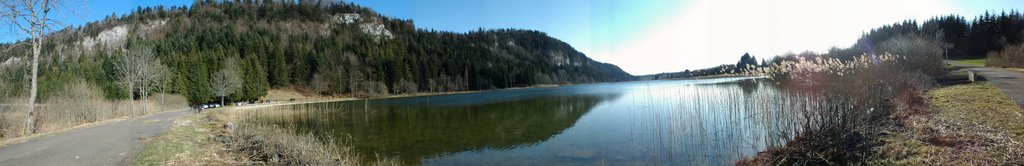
(683,122)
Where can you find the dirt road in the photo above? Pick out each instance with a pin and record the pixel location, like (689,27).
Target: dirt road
(110,144)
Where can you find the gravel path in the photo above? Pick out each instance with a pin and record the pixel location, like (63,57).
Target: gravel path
(109,144)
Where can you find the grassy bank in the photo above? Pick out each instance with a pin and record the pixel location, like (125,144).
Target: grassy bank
(187,142)
(970,124)
(981,103)
(226,137)
(972,62)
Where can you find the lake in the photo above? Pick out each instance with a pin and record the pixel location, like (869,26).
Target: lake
(677,122)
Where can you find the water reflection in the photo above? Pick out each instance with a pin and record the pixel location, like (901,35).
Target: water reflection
(414,132)
(694,122)
(708,124)
(750,85)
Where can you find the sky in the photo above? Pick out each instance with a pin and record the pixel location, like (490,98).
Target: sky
(654,36)
(650,36)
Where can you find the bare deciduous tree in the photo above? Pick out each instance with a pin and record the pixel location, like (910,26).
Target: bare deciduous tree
(138,70)
(152,74)
(162,79)
(226,80)
(34,17)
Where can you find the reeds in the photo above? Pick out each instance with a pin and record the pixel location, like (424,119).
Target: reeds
(275,145)
(265,136)
(840,107)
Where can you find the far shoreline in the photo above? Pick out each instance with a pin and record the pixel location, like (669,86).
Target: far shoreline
(327,99)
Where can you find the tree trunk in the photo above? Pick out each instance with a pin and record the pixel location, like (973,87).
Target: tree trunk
(31,119)
(162,94)
(222,101)
(143,91)
(131,100)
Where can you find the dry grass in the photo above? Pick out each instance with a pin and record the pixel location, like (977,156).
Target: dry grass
(972,124)
(228,137)
(282,146)
(981,103)
(81,104)
(271,143)
(187,142)
(285,94)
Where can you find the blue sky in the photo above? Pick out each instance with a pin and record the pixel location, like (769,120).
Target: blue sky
(652,36)
(93,10)
(588,25)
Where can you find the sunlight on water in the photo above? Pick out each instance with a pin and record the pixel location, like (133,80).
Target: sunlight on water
(702,122)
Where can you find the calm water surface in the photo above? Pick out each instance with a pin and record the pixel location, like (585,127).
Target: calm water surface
(686,122)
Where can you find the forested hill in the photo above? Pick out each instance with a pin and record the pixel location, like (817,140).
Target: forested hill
(327,48)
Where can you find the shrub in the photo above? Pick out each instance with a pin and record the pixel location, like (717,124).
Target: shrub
(1011,56)
(843,105)
(276,145)
(404,86)
(919,53)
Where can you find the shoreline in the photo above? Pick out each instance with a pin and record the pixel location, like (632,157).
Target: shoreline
(327,99)
(706,77)
(715,77)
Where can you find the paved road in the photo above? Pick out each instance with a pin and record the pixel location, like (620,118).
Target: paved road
(110,144)
(1011,82)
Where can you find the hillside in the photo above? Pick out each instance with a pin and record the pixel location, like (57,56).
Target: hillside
(328,48)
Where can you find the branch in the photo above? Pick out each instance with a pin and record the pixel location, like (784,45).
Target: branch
(15,45)
(15,16)
(46,12)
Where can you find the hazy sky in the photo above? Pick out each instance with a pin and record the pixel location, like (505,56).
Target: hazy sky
(653,36)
